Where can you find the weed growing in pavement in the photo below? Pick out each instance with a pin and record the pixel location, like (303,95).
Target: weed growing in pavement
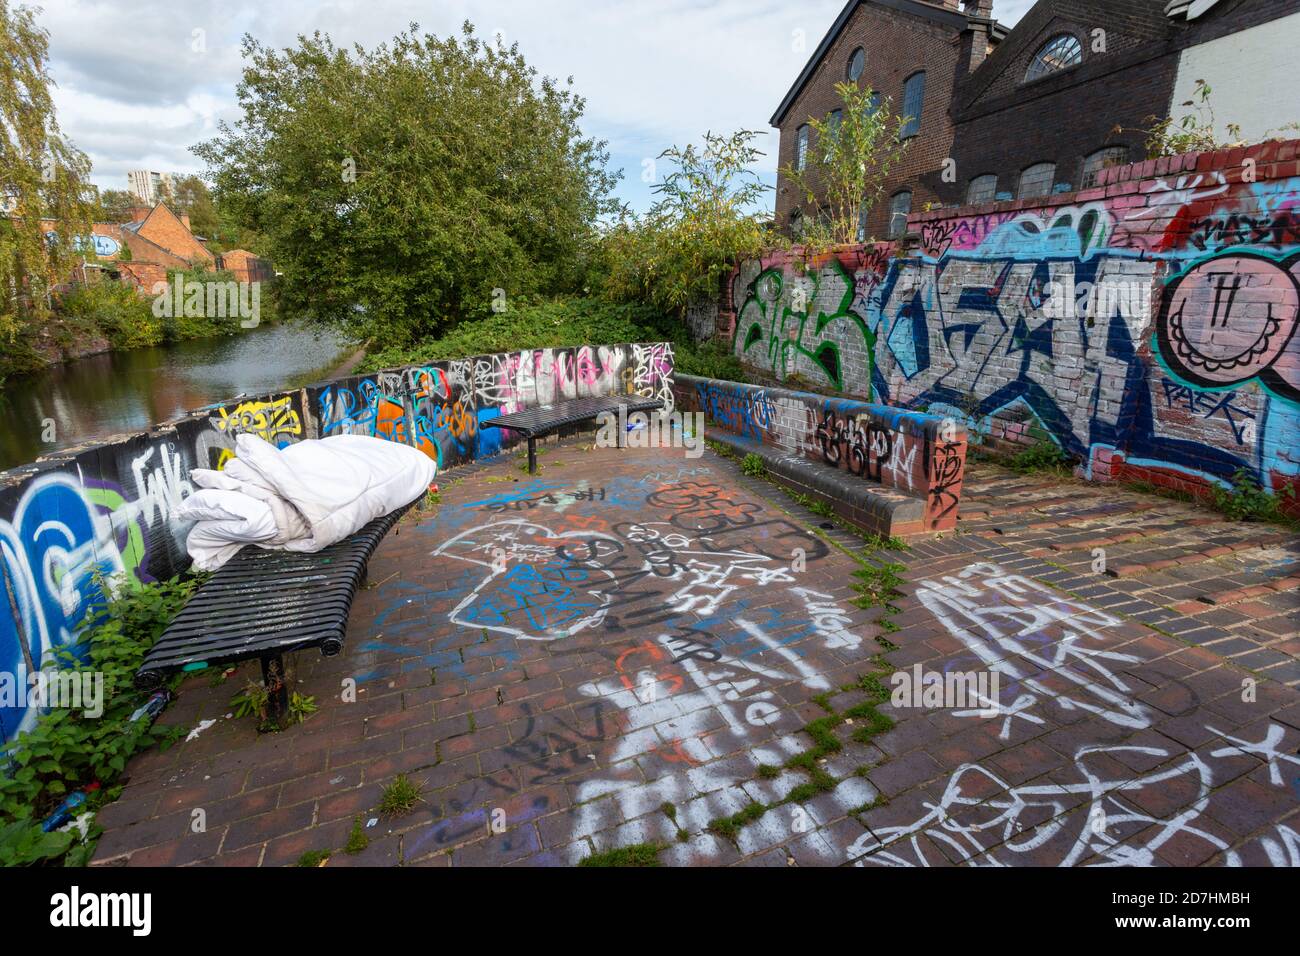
(399,797)
(638,854)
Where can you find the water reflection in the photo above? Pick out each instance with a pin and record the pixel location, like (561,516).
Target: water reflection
(117,392)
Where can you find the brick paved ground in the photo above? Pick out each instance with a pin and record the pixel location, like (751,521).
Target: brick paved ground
(631,645)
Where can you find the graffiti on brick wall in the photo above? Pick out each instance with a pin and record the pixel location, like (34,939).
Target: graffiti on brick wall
(919,454)
(440,407)
(276,420)
(809,325)
(66,530)
(109,511)
(1231,319)
(1150,334)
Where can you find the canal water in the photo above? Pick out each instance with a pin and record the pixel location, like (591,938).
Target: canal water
(117,392)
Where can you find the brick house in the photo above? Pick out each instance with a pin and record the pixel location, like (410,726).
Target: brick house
(909,51)
(245,266)
(1076,83)
(156,241)
(1041,108)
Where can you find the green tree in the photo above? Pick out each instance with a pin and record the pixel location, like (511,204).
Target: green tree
(850,154)
(42,179)
(189,196)
(115,205)
(704,221)
(397,188)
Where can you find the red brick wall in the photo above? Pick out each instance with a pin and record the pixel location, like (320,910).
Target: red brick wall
(1147,327)
(897,44)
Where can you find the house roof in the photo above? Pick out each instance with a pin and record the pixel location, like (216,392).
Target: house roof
(952,18)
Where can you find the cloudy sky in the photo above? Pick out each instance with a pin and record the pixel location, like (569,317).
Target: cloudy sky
(140,81)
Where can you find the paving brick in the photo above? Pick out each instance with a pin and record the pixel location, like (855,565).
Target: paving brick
(558,735)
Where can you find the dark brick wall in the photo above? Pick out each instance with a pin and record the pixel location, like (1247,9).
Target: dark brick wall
(1002,125)
(897,44)
(990,121)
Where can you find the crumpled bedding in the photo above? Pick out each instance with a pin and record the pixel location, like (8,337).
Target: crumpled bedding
(304,497)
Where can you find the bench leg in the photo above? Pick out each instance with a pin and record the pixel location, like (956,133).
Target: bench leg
(278,690)
(532,456)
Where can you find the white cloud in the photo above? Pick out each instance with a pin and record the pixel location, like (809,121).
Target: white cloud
(141,82)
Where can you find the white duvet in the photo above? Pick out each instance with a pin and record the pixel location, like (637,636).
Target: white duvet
(301,498)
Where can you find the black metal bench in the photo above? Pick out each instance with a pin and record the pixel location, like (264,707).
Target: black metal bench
(265,604)
(534,423)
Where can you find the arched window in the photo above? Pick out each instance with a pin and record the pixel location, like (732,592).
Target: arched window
(982,188)
(1058,53)
(857,63)
(899,207)
(801,147)
(1036,180)
(1102,159)
(913,97)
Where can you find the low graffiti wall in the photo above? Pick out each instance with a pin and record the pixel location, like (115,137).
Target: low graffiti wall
(917,454)
(108,509)
(1147,326)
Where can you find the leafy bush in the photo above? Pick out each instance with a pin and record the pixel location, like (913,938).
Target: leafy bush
(852,154)
(703,222)
(398,186)
(556,323)
(1041,456)
(530,323)
(116,310)
(1247,501)
(67,750)
(753,466)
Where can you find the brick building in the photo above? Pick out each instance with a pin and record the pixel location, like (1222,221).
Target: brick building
(1077,83)
(1041,108)
(141,252)
(245,266)
(912,52)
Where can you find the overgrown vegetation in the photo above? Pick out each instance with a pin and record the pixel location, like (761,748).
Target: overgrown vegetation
(1040,456)
(357,839)
(68,752)
(638,854)
(704,221)
(753,466)
(563,322)
(850,155)
(410,186)
(1247,501)
(399,797)
(1196,130)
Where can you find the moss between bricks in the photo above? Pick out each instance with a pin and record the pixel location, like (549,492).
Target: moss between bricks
(824,743)
(638,854)
(878,587)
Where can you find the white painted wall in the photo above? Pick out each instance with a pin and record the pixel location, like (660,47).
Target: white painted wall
(1251,76)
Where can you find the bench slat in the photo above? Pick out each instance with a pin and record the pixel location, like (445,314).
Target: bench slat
(265,603)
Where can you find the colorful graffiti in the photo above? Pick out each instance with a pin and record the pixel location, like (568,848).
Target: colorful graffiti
(109,511)
(440,407)
(67,532)
(1151,334)
(919,455)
